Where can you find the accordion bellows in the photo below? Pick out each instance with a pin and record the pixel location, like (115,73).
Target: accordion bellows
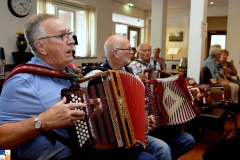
(115,107)
(169,100)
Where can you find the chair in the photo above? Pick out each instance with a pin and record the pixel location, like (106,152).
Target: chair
(87,64)
(209,118)
(229,114)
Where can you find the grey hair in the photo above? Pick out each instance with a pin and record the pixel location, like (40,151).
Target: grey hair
(139,47)
(155,49)
(214,50)
(34,30)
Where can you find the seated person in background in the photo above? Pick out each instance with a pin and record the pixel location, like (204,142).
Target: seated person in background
(214,56)
(133,55)
(31,104)
(178,142)
(160,60)
(117,59)
(144,61)
(228,68)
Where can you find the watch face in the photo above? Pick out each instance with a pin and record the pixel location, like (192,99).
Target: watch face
(38,125)
(20,8)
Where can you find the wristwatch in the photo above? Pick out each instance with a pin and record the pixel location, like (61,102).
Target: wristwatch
(38,124)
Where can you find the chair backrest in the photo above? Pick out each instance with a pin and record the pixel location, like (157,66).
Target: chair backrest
(87,64)
(206,75)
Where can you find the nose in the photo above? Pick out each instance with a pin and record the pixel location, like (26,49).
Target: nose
(70,41)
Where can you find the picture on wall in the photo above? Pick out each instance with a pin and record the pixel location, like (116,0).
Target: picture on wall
(176,36)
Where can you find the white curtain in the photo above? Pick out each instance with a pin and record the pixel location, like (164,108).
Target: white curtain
(90,34)
(43,6)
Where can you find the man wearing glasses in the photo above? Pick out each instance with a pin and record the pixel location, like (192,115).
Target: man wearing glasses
(175,142)
(31,104)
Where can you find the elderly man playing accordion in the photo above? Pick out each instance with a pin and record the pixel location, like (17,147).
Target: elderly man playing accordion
(175,142)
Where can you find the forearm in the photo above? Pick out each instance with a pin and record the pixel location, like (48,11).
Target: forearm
(234,71)
(15,134)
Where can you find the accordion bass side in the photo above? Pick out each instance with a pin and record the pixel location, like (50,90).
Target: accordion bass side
(115,111)
(169,100)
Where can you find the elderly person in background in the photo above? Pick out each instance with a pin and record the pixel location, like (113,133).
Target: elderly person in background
(214,56)
(156,57)
(228,68)
(133,54)
(176,141)
(144,61)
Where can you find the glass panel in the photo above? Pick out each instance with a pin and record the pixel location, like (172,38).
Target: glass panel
(133,38)
(67,18)
(81,47)
(219,39)
(121,29)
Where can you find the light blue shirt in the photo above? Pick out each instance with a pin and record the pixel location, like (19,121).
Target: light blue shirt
(25,95)
(209,62)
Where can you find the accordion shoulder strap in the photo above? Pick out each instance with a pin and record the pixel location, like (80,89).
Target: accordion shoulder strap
(145,64)
(37,69)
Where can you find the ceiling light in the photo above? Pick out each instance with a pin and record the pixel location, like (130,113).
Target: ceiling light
(211,2)
(130,5)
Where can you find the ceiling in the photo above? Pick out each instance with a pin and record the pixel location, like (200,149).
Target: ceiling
(172,4)
(147,5)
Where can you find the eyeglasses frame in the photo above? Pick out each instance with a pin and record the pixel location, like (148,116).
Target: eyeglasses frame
(59,36)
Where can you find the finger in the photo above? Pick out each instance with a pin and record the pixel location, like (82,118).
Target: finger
(76,105)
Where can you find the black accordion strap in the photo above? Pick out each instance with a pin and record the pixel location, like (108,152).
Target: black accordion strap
(61,139)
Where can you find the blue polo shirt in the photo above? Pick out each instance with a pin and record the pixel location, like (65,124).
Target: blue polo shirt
(25,95)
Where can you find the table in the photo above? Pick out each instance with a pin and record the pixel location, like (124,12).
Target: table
(175,71)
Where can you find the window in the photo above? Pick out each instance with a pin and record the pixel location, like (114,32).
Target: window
(82,22)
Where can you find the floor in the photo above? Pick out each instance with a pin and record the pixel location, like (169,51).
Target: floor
(206,140)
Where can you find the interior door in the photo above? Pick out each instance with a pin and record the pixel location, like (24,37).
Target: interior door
(216,37)
(134,36)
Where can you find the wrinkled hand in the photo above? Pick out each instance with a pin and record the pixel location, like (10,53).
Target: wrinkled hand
(142,76)
(231,62)
(61,115)
(151,123)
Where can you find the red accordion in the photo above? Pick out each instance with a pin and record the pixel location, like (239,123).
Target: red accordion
(115,107)
(169,100)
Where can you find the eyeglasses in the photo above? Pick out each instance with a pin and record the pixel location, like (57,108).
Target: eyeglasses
(129,49)
(146,50)
(63,36)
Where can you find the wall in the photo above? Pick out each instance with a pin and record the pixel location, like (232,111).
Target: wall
(233,33)
(9,26)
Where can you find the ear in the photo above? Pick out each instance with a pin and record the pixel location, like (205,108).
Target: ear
(40,46)
(115,54)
